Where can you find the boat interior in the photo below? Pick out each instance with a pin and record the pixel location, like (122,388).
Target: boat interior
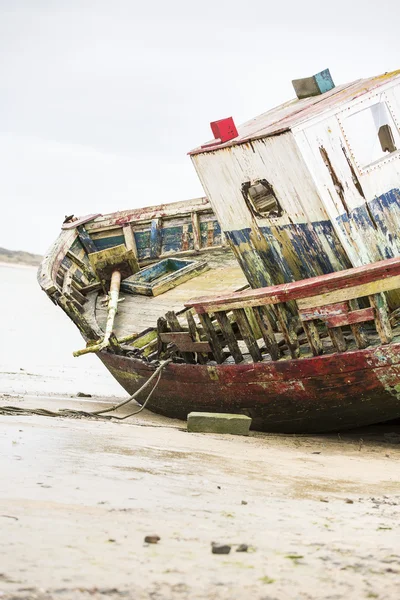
(183,295)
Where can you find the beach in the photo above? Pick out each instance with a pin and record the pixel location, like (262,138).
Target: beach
(319,515)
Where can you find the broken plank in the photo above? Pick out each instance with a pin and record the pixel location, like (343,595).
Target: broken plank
(174,325)
(288,332)
(262,317)
(212,337)
(86,240)
(229,336)
(382,323)
(247,334)
(184,342)
(355,316)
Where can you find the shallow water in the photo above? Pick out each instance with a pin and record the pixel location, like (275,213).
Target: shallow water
(37,341)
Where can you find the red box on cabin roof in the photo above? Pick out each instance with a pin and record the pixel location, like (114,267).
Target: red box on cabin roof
(224,129)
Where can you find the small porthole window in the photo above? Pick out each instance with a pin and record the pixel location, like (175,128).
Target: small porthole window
(261,198)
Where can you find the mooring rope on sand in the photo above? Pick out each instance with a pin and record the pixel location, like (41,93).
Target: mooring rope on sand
(97,414)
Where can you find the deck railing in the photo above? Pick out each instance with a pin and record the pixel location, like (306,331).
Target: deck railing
(344,299)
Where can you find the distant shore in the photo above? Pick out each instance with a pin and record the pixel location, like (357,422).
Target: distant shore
(19,258)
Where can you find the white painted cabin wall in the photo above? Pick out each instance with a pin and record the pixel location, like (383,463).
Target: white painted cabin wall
(329,132)
(278,160)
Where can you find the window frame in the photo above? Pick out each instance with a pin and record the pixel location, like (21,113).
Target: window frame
(359,107)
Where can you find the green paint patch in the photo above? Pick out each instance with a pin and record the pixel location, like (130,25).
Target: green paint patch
(266,579)
(294,556)
(384,528)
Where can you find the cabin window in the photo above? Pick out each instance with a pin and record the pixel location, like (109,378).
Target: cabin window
(261,198)
(372,134)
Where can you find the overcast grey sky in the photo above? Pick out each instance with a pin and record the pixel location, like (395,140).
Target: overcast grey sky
(101,100)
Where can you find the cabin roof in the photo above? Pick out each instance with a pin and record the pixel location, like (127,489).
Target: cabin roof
(290,114)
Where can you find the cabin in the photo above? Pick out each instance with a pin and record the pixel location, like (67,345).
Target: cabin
(312,186)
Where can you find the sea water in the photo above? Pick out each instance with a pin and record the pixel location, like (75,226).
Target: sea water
(37,340)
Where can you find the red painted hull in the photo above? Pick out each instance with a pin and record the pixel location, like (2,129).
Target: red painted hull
(326,393)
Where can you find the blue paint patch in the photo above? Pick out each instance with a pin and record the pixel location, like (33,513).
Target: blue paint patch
(172,239)
(296,251)
(155,239)
(109,242)
(142,239)
(261,268)
(374,227)
(324,81)
(204,235)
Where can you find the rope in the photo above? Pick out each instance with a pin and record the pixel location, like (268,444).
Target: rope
(97,414)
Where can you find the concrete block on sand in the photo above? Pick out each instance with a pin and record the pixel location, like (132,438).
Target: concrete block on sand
(202,422)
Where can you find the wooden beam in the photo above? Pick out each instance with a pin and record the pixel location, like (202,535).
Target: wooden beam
(351,293)
(183,341)
(337,338)
(356,316)
(212,337)
(312,292)
(196,230)
(86,240)
(262,317)
(311,331)
(175,326)
(247,334)
(285,321)
(155,238)
(229,336)
(130,241)
(201,358)
(382,323)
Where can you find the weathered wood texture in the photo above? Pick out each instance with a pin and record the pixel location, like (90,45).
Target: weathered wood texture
(324,393)
(316,291)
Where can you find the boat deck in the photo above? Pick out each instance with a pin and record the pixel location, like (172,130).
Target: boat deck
(137,313)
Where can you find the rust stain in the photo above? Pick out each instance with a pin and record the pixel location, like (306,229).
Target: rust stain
(335,179)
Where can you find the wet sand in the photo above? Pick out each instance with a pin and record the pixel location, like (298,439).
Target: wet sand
(320,513)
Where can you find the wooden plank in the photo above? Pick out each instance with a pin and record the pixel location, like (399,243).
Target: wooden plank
(183,341)
(155,238)
(91,287)
(337,338)
(229,336)
(196,230)
(385,274)
(288,332)
(175,326)
(201,358)
(311,331)
(323,312)
(212,337)
(130,241)
(247,334)
(382,323)
(359,291)
(86,269)
(81,221)
(262,317)
(162,327)
(359,333)
(356,316)
(86,240)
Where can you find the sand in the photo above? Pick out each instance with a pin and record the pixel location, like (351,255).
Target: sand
(320,514)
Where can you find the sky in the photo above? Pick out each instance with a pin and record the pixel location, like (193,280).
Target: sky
(100,101)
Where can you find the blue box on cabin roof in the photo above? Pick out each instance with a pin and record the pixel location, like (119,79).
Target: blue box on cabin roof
(163,276)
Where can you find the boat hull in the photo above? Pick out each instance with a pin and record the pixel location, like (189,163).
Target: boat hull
(308,395)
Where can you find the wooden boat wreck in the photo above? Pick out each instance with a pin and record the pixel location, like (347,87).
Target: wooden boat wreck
(277,296)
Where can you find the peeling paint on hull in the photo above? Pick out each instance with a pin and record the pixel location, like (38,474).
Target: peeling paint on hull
(318,394)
